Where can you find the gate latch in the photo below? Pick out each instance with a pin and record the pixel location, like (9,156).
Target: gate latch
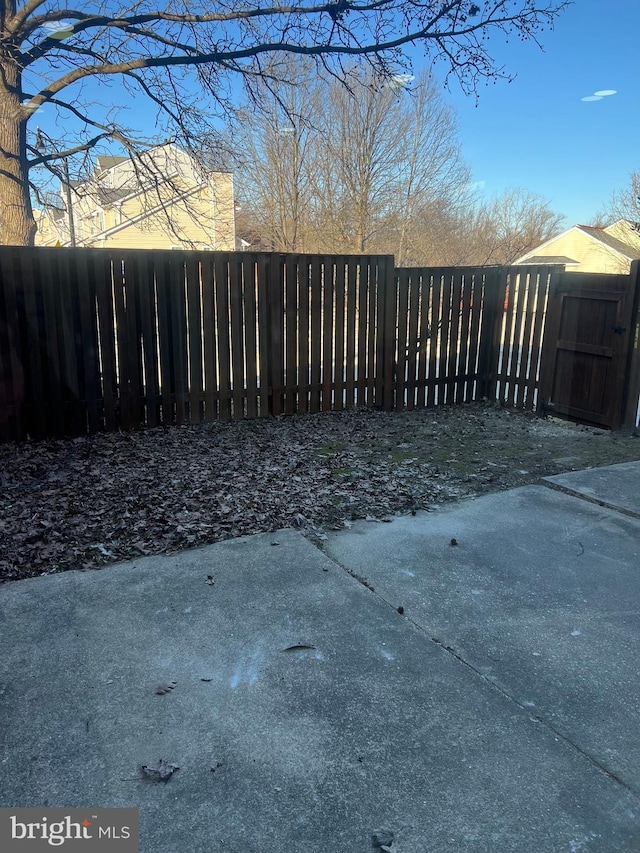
(618,330)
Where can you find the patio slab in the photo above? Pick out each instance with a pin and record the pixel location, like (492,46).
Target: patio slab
(307,713)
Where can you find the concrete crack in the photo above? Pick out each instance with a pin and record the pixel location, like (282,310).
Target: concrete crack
(573,493)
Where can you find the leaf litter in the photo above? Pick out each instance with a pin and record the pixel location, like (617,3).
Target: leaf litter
(86,502)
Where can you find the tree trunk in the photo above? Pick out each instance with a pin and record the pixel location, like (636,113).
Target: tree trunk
(17,225)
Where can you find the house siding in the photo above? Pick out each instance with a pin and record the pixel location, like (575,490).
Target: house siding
(158,218)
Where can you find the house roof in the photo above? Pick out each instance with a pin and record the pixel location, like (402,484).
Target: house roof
(108,161)
(600,234)
(107,196)
(546,260)
(596,233)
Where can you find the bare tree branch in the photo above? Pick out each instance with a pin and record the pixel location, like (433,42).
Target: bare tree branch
(49,49)
(42,159)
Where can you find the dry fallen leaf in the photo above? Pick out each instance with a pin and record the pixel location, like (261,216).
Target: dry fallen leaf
(300,647)
(382,838)
(162,773)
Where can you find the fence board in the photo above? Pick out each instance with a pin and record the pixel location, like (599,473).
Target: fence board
(463,371)
(236,285)
(102,275)
(414,343)
(375,314)
(264,277)
(339,380)
(251,339)
(524,391)
(208,331)
(327,332)
(351,324)
(361,375)
(454,337)
(435,334)
(133,367)
(221,267)
(178,326)
(304,380)
(53,378)
(424,336)
(540,308)
(490,332)
(520,281)
(474,332)
(88,339)
(147,409)
(403,347)
(448,282)
(234,309)
(291,335)
(316,332)
(165,344)
(195,389)
(276,335)
(509,320)
(31,315)
(71,352)
(11,348)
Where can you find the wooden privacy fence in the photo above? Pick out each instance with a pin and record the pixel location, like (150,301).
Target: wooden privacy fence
(462,334)
(95,339)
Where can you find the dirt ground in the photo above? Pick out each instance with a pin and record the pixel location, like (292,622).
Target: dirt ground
(83,503)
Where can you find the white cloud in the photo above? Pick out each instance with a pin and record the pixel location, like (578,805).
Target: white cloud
(600,94)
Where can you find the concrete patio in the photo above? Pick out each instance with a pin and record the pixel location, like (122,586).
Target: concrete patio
(466,679)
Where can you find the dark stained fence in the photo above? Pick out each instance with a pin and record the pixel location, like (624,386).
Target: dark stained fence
(520,336)
(466,333)
(438,354)
(324,330)
(95,339)
(589,348)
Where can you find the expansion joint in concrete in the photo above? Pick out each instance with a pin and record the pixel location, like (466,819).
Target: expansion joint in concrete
(505,693)
(574,493)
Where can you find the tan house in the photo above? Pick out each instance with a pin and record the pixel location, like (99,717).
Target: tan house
(162,199)
(584,248)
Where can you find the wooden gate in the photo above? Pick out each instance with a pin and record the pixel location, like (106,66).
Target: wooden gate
(586,348)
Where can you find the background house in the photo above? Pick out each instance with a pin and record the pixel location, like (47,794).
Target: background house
(584,248)
(161,199)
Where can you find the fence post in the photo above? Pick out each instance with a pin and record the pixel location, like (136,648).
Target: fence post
(631,391)
(489,350)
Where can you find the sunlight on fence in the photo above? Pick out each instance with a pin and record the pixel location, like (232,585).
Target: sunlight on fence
(107,340)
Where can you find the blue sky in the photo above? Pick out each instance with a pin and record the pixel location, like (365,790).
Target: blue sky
(537,133)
